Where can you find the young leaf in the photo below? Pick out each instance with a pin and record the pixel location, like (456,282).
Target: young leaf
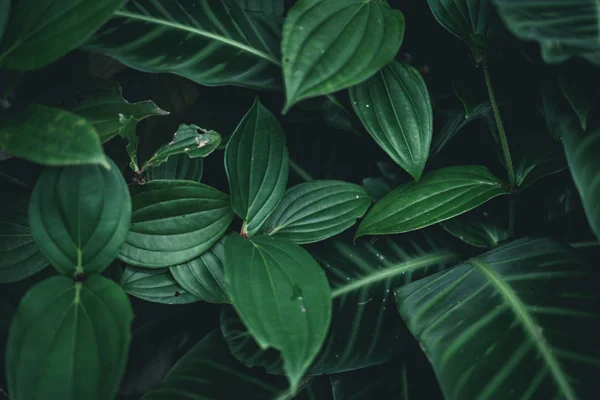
(329,45)
(477,229)
(69,340)
(537,162)
(154,285)
(288,304)
(314,211)
(211,42)
(256,162)
(464,18)
(517,322)
(79,217)
(41,31)
(51,136)
(179,166)
(395,108)
(438,196)
(174,222)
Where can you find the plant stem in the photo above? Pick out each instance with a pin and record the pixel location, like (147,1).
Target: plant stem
(300,171)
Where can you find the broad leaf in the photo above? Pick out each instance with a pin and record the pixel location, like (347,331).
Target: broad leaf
(203,276)
(256,162)
(20,257)
(329,45)
(288,304)
(438,196)
(179,166)
(174,222)
(314,211)
(154,285)
(69,340)
(476,228)
(464,18)
(395,108)
(520,321)
(51,136)
(79,217)
(211,42)
(537,162)
(41,31)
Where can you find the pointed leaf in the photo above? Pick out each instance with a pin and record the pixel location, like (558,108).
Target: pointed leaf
(438,196)
(395,108)
(69,340)
(520,321)
(330,45)
(154,285)
(476,228)
(174,222)
(464,18)
(580,92)
(179,166)
(79,217)
(537,162)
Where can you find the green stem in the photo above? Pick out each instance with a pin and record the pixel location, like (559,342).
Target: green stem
(300,171)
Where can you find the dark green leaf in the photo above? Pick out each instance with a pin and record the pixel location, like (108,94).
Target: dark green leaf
(288,304)
(179,166)
(4,10)
(518,322)
(154,285)
(537,162)
(476,228)
(468,20)
(51,136)
(128,131)
(329,45)
(256,161)
(69,340)
(274,7)
(395,108)
(79,216)
(314,211)
(580,92)
(211,42)
(387,381)
(438,196)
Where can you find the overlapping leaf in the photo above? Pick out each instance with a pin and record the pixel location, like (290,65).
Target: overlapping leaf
(537,162)
(476,228)
(179,166)
(274,7)
(464,18)
(154,285)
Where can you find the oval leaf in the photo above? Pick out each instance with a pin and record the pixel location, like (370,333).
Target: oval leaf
(174,222)
(477,229)
(51,136)
(288,305)
(464,18)
(329,45)
(154,285)
(395,108)
(69,340)
(79,217)
(256,162)
(438,196)
(314,211)
(178,167)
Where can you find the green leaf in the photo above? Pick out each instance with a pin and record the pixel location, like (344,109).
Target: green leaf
(274,7)
(69,340)
(314,211)
(581,94)
(179,166)
(128,131)
(537,162)
(256,162)
(330,45)
(211,42)
(79,217)
(41,31)
(20,257)
(465,19)
(4,12)
(438,196)
(189,139)
(51,136)
(395,108)
(518,322)
(154,285)
(203,276)
(476,228)
(174,222)
(288,304)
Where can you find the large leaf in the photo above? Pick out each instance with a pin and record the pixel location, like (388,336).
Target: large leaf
(329,45)
(288,304)
(179,166)
(211,42)
(314,211)
(154,285)
(438,196)
(464,18)
(174,222)
(41,31)
(476,228)
(520,321)
(69,340)
(395,108)
(20,257)
(51,136)
(79,216)
(256,162)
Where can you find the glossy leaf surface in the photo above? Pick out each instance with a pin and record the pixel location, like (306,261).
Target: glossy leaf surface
(476,228)
(154,285)
(176,167)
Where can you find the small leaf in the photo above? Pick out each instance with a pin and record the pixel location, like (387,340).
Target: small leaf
(174,222)
(69,340)
(537,162)
(154,285)
(79,217)
(256,162)
(288,304)
(330,45)
(580,93)
(51,136)
(314,211)
(438,196)
(179,166)
(395,108)
(468,20)
(477,229)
